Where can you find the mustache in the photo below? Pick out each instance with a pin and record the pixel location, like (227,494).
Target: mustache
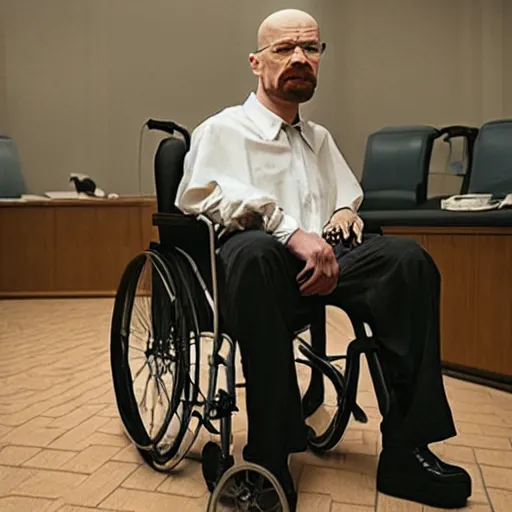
(303,74)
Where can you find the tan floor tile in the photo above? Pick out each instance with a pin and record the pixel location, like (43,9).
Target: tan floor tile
(114,426)
(472,396)
(103,439)
(62,410)
(453,453)
(91,459)
(10,477)
(188,481)
(129,454)
(76,438)
(106,398)
(356,462)
(389,504)
(144,478)
(480,441)
(64,401)
(16,455)
(100,484)
(501,500)
(470,428)
(4,429)
(343,507)
(76,417)
(130,500)
(494,458)
(317,502)
(24,504)
(480,419)
(478,494)
(358,441)
(49,484)
(49,459)
(502,401)
(499,478)
(75,508)
(342,486)
(33,433)
(470,507)
(110,412)
(491,430)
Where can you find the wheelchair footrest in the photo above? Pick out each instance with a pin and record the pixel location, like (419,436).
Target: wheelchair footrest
(359,414)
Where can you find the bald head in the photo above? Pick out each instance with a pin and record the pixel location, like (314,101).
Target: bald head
(285,23)
(287,59)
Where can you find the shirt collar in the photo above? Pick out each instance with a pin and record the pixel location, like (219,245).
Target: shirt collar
(269,124)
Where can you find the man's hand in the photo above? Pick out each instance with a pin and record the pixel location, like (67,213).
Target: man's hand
(346,219)
(320,274)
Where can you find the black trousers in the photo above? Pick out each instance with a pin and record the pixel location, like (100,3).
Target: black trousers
(389,282)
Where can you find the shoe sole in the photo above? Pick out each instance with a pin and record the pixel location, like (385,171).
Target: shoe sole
(436,494)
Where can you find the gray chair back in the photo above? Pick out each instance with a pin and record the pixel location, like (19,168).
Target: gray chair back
(492,159)
(396,167)
(12,184)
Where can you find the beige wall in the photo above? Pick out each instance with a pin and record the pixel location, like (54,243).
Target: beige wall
(83,76)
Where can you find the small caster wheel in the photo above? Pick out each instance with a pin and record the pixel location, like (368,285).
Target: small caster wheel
(214,465)
(248,487)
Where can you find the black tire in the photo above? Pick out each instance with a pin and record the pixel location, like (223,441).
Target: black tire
(242,485)
(174,324)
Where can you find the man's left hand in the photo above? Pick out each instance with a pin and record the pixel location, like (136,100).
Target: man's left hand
(346,219)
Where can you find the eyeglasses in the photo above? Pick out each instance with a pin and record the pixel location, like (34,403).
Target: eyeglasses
(313,51)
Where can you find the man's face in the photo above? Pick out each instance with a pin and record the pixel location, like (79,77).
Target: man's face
(288,64)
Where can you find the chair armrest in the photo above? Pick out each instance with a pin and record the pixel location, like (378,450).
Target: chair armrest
(185,231)
(174,220)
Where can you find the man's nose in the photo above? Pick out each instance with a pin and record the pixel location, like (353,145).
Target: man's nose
(298,55)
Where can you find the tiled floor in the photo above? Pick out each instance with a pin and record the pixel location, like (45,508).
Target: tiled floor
(62,447)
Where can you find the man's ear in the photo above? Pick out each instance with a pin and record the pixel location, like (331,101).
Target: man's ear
(255,64)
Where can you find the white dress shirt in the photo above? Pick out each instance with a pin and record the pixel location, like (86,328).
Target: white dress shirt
(246,158)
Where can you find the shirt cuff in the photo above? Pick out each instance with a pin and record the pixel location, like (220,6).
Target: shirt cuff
(285,229)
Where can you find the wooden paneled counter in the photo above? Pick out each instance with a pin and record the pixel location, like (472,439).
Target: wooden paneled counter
(79,247)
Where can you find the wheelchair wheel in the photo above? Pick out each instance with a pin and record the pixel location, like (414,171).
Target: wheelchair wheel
(154,357)
(248,487)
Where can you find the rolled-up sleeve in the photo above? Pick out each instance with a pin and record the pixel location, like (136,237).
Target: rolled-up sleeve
(216,183)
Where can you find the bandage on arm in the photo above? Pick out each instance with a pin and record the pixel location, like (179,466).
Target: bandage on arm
(216,183)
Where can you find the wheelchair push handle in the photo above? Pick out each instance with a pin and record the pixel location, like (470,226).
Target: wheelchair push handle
(169,127)
(452,132)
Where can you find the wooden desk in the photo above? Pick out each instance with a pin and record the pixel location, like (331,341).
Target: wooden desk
(65,248)
(476,297)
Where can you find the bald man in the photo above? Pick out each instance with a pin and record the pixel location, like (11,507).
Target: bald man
(272,182)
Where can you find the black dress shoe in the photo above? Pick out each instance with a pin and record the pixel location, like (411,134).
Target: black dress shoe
(419,475)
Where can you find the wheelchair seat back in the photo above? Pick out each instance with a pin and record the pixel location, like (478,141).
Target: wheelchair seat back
(182,237)
(169,160)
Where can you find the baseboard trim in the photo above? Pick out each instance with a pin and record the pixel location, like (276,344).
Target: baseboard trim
(483,377)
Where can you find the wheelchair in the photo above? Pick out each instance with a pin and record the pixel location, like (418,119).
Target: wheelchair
(183,345)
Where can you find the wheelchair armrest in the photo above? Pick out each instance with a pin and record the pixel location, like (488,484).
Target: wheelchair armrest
(174,220)
(189,232)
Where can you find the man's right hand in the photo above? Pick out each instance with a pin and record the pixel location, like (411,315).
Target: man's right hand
(320,274)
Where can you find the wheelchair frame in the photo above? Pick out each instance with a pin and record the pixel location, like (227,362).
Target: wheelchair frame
(220,404)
